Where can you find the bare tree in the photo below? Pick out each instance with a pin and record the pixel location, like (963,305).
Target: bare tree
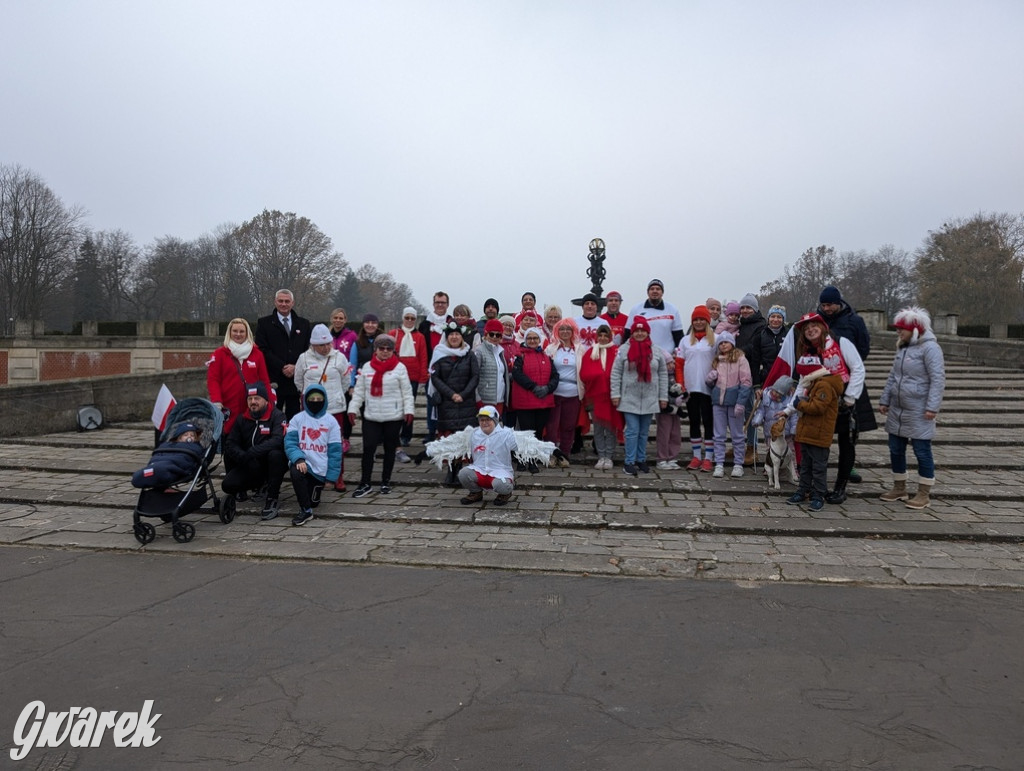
(883,280)
(163,285)
(276,250)
(798,287)
(39,237)
(974,267)
(117,260)
(382,295)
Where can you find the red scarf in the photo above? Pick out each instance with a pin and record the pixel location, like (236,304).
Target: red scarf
(831,358)
(379,368)
(640,358)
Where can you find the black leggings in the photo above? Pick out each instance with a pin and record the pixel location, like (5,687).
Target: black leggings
(533,420)
(698,409)
(844,438)
(375,434)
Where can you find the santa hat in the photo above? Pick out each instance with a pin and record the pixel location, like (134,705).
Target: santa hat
(913,318)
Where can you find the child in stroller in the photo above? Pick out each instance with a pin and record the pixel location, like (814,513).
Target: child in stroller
(176,459)
(177,479)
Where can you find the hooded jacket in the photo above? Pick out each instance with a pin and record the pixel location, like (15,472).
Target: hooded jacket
(818,410)
(315,438)
(915,385)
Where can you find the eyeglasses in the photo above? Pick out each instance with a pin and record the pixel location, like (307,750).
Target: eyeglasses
(494,334)
(386,348)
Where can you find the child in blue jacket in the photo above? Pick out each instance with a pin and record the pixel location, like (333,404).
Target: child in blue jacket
(313,446)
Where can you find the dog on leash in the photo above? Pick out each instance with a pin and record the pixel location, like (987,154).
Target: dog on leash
(779,455)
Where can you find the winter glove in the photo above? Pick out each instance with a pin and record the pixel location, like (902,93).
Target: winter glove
(409,418)
(758,419)
(540,391)
(675,390)
(712,377)
(738,410)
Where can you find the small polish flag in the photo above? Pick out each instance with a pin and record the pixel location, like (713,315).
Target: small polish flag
(147,472)
(164,404)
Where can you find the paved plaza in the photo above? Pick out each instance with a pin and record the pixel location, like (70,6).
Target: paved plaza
(71,490)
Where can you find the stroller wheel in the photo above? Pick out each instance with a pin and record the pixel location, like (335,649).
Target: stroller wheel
(144,532)
(227,509)
(184,532)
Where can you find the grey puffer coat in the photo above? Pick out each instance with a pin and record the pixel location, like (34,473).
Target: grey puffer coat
(915,385)
(637,397)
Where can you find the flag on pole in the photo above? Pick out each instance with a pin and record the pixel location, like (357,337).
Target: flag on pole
(164,404)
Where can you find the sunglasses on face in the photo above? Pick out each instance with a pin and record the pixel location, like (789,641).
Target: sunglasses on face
(494,334)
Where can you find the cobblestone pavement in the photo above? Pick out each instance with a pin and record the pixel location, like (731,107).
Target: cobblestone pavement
(72,490)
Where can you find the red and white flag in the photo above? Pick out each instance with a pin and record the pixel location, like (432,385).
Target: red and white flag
(164,404)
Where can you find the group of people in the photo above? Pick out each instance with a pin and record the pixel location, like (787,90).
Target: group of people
(292,391)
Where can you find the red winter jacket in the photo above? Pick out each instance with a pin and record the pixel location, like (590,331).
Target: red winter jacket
(226,379)
(415,365)
(533,367)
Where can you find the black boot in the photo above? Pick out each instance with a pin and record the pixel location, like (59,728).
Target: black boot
(838,494)
(419,457)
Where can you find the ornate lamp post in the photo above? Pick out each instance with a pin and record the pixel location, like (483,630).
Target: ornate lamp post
(595,272)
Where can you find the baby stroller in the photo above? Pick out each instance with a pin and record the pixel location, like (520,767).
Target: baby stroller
(189,493)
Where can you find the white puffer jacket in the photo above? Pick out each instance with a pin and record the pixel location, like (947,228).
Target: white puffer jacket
(330,371)
(395,401)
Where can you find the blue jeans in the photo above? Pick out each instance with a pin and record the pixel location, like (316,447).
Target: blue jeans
(922,450)
(636,430)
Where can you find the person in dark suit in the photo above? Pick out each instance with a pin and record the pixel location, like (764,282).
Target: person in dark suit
(282,337)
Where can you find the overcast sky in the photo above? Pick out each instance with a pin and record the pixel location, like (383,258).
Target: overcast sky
(479,146)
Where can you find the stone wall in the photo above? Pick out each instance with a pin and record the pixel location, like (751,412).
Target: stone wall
(44,408)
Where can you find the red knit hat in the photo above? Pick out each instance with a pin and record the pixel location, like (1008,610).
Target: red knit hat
(493,325)
(701,312)
(639,322)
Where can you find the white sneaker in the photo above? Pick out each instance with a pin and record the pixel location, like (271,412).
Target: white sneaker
(672,465)
(664,465)
(600,463)
(719,472)
(737,471)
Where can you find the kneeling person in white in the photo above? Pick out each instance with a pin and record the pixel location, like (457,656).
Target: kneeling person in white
(491,469)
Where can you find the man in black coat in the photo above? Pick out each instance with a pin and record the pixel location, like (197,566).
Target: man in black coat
(844,321)
(254,450)
(282,337)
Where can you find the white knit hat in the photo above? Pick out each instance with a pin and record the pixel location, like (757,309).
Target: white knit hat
(320,335)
